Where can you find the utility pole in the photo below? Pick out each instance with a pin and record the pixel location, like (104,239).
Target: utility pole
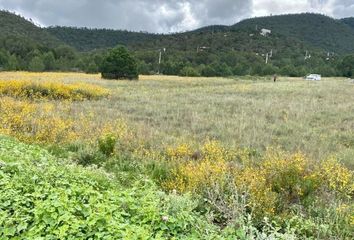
(269,56)
(160,57)
(307,55)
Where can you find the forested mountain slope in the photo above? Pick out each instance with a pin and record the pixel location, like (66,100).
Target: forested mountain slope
(296,45)
(349,22)
(317,30)
(311,30)
(16,28)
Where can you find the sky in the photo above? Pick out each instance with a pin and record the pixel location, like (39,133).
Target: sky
(166,16)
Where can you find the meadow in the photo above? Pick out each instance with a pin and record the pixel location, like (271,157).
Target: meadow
(316,118)
(244,157)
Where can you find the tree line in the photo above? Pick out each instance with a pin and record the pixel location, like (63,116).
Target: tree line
(19,54)
(64,58)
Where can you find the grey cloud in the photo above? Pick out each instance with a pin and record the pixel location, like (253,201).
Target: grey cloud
(343,8)
(146,15)
(222,11)
(152,15)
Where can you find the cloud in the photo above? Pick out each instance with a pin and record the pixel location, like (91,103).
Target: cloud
(164,15)
(333,8)
(146,15)
(343,8)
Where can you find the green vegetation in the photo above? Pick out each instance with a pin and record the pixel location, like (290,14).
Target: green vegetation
(210,51)
(195,157)
(349,21)
(347,66)
(16,29)
(318,31)
(100,38)
(119,64)
(42,197)
(253,160)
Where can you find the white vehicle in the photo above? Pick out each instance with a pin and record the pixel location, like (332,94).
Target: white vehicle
(313,77)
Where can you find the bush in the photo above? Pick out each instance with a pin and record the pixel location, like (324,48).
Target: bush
(119,64)
(189,72)
(232,184)
(42,198)
(106,144)
(26,89)
(51,123)
(87,156)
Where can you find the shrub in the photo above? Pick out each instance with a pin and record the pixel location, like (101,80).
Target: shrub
(51,123)
(106,144)
(231,183)
(119,64)
(51,90)
(88,156)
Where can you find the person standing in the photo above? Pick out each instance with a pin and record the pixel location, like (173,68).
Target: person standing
(275,78)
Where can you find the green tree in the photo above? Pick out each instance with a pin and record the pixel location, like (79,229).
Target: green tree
(144,68)
(36,65)
(189,72)
(49,61)
(347,66)
(208,71)
(289,71)
(12,63)
(3,59)
(119,64)
(65,52)
(92,68)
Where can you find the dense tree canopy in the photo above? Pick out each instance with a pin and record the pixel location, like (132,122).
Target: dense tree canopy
(347,66)
(119,64)
(298,45)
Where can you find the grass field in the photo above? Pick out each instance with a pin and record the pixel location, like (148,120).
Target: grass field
(244,157)
(316,118)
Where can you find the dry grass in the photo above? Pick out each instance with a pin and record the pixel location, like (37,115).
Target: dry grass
(316,118)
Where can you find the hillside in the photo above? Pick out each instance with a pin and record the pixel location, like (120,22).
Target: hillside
(304,31)
(314,29)
(84,39)
(13,26)
(349,22)
(209,51)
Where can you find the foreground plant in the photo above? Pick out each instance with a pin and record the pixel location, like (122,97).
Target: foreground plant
(276,187)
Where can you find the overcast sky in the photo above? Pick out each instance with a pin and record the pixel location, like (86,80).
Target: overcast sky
(165,16)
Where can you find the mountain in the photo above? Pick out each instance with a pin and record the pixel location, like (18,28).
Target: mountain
(17,28)
(293,45)
(309,30)
(314,29)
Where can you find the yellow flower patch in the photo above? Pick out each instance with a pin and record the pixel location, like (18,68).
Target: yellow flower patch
(30,89)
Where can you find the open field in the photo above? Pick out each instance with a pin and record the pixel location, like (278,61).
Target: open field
(171,157)
(316,118)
